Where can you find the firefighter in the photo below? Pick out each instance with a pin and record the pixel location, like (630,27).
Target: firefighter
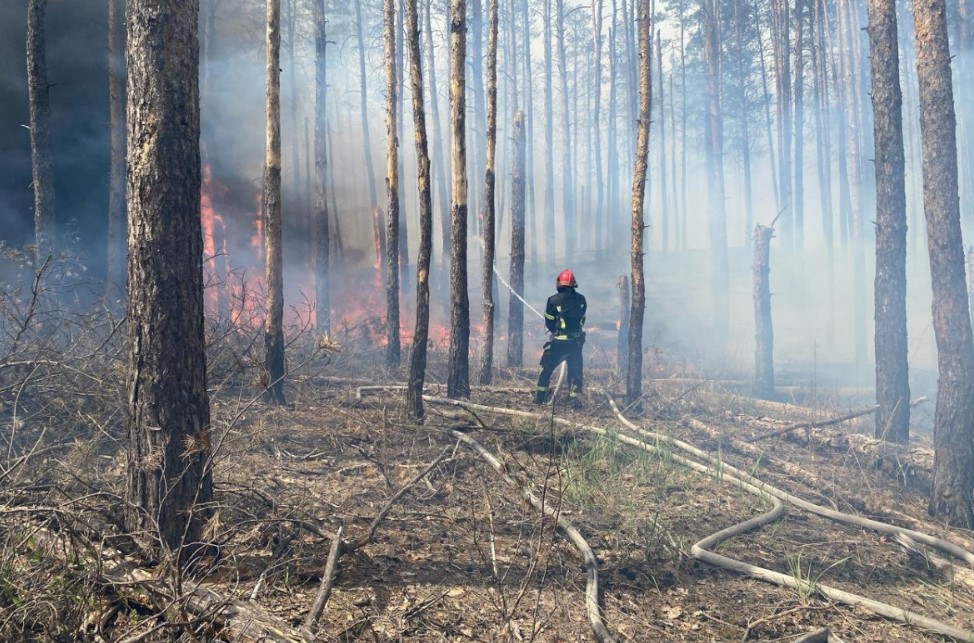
(564,318)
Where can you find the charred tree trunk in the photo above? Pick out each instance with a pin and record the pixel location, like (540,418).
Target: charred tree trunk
(764,332)
(417,358)
(515,309)
(487,365)
(458,379)
(622,341)
(169,483)
(953,458)
(39,100)
(274,266)
(115,274)
(634,372)
(322,236)
(393,349)
(892,369)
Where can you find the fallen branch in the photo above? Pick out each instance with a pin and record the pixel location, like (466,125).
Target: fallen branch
(820,423)
(327,580)
(591,564)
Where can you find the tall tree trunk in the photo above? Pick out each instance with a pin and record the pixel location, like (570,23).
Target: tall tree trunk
(458,378)
(487,365)
(274,266)
(823,137)
(775,182)
(892,369)
(764,330)
(529,204)
(169,483)
(404,280)
(515,309)
(622,340)
(663,202)
(40,130)
(567,183)
(322,237)
(720,280)
(612,169)
(479,116)
(417,358)
(677,214)
(855,181)
(393,348)
(115,275)
(953,457)
(799,171)
(549,138)
(599,213)
(367,142)
(439,163)
(781,45)
(634,373)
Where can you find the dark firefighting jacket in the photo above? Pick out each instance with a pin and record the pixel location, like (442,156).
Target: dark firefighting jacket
(564,315)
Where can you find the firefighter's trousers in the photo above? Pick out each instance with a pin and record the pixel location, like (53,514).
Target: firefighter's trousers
(555,352)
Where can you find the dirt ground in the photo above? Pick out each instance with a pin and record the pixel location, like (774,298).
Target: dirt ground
(461,556)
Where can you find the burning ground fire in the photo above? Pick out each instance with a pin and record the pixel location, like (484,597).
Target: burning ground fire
(234,284)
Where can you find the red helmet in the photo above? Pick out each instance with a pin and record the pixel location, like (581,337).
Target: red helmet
(566,278)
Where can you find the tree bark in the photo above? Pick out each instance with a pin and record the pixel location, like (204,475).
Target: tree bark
(39,104)
(515,309)
(458,377)
(393,349)
(487,364)
(274,264)
(953,458)
(169,483)
(322,236)
(764,331)
(634,379)
(417,358)
(892,369)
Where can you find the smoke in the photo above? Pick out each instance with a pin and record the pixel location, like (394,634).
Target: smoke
(77,73)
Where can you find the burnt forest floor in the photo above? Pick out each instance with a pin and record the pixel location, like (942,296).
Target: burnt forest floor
(461,556)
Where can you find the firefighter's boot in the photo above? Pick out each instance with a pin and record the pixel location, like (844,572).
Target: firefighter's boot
(541,395)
